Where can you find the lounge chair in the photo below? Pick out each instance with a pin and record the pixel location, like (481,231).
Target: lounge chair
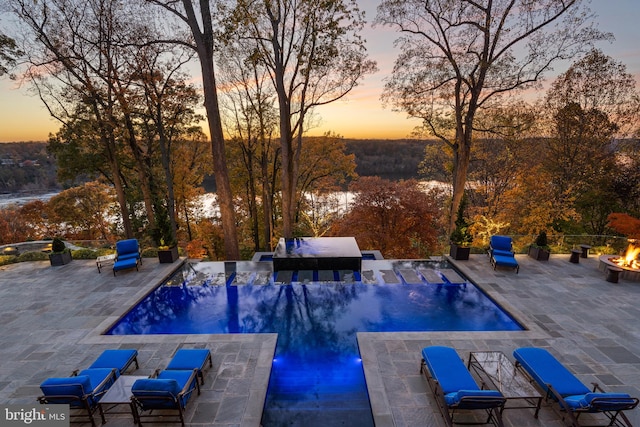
(119,359)
(455,389)
(501,253)
(127,255)
(501,245)
(191,358)
(81,391)
(571,394)
(166,391)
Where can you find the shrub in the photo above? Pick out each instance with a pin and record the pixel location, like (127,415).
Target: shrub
(541,241)
(58,245)
(32,256)
(149,253)
(8,259)
(84,254)
(461,235)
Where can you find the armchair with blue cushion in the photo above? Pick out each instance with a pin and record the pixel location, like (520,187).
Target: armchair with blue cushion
(165,391)
(81,391)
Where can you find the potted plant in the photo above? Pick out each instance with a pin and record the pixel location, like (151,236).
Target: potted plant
(167,253)
(60,254)
(460,239)
(540,249)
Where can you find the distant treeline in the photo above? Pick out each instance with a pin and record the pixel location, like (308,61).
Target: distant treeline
(392,160)
(26,166)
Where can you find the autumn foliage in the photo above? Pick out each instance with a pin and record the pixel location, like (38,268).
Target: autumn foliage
(625,224)
(397,218)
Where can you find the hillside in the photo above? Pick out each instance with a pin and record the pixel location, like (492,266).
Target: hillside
(389,159)
(26,167)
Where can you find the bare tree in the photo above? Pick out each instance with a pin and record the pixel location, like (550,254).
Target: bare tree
(315,56)
(598,82)
(459,56)
(73,67)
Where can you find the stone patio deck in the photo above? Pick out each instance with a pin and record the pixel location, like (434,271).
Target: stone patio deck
(53,317)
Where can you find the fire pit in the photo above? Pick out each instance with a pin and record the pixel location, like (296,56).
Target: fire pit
(629,264)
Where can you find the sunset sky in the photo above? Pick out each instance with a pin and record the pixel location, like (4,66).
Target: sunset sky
(23,117)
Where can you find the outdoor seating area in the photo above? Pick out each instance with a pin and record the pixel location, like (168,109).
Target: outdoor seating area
(83,390)
(104,385)
(585,332)
(456,392)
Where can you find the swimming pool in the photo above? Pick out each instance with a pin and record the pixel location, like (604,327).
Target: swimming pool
(316,376)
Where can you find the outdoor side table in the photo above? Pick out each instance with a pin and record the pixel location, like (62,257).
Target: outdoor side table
(575,256)
(119,394)
(497,371)
(101,261)
(585,251)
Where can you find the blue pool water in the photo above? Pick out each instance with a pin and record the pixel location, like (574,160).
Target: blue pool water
(317,376)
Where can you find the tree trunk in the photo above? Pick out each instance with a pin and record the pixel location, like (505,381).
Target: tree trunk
(165,154)
(220,172)
(287,156)
(461,158)
(204,48)
(122,200)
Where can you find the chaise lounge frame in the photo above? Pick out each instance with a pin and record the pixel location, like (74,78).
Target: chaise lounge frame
(611,406)
(492,405)
(501,253)
(162,401)
(84,401)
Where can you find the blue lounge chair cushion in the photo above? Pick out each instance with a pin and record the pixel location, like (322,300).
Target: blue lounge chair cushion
(545,369)
(505,261)
(123,257)
(456,397)
(501,243)
(166,390)
(87,383)
(126,250)
(498,252)
(167,387)
(125,264)
(182,377)
(77,386)
(118,359)
(600,401)
(188,359)
(447,368)
(127,247)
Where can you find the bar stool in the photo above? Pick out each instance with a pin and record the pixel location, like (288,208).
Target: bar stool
(575,256)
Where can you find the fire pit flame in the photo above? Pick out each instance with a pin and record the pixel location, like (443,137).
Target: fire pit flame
(629,260)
